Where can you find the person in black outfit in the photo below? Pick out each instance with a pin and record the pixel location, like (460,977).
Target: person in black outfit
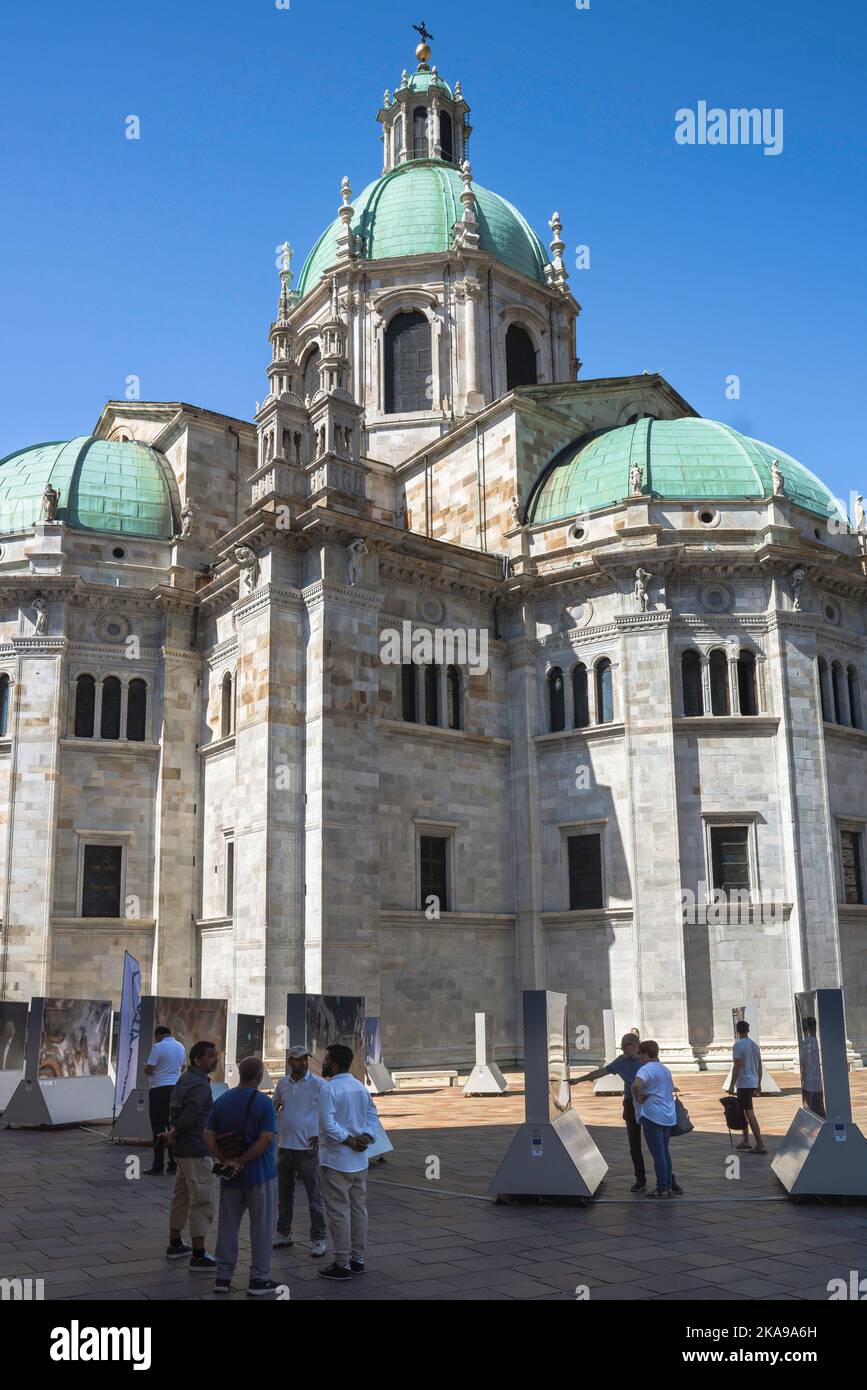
(626,1066)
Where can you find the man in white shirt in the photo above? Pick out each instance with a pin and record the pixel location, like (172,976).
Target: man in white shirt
(296,1100)
(163,1068)
(747,1081)
(347,1127)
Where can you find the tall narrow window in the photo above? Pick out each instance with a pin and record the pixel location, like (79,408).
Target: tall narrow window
(853,878)
(432,695)
(230,877)
(825,691)
(556,701)
(398,139)
(585,871)
(227,707)
(453,697)
(730,858)
(311,373)
(839,696)
(407,363)
(604,692)
(521,369)
(748,698)
(408,688)
(580,696)
(719,683)
(855,715)
(136,710)
(690,671)
(100,895)
(419,133)
(446,140)
(433,858)
(109,721)
(4,705)
(85,704)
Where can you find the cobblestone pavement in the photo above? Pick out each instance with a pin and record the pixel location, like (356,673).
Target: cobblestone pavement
(70,1216)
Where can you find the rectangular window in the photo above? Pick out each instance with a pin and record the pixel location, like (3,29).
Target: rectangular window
(100,896)
(730,857)
(585,871)
(230,877)
(433,854)
(853,879)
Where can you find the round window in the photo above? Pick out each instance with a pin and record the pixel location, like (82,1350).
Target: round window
(118,552)
(577,533)
(832,612)
(708,517)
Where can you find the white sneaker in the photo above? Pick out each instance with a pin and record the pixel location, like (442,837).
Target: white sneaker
(318,1248)
(280,1241)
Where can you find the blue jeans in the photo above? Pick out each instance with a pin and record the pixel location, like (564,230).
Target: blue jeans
(656,1137)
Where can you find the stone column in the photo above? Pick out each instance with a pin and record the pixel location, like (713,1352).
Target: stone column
(38,698)
(474,398)
(647,702)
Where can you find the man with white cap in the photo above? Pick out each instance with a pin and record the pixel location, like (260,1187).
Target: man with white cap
(296,1100)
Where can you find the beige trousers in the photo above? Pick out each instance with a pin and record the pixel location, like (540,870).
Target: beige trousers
(193,1197)
(345,1197)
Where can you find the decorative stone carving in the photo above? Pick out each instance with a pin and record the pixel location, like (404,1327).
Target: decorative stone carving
(248,562)
(188,517)
(636,480)
(515,510)
(111,627)
(40,608)
(429,608)
(355,550)
(797,580)
(641,591)
(50,502)
(779,480)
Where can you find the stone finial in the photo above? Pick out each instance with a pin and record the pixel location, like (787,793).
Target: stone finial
(386,100)
(466,232)
(779,479)
(286,277)
(459,94)
(346,189)
(558,266)
(404,81)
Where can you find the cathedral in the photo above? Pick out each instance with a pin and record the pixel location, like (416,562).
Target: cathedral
(449,675)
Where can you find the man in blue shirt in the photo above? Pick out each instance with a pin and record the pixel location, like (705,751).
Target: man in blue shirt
(248,1181)
(626,1066)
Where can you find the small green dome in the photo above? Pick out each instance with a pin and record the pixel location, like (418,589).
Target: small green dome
(689,458)
(411,211)
(423,81)
(124,487)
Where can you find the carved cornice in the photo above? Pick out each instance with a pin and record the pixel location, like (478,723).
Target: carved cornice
(26,646)
(181,654)
(318,592)
(577,636)
(628,622)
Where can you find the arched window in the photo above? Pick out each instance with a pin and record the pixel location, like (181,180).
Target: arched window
(432,695)
(109,721)
(310,380)
(446,141)
(839,694)
(521,369)
(398,139)
(419,133)
(604,692)
(409,701)
(407,363)
(719,683)
(227,707)
(4,705)
(453,697)
(85,704)
(690,674)
(136,710)
(556,700)
(580,696)
(748,695)
(855,718)
(825,690)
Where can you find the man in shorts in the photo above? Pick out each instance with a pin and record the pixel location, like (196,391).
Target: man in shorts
(747,1084)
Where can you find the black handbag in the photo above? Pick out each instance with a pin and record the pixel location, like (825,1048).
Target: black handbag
(682,1123)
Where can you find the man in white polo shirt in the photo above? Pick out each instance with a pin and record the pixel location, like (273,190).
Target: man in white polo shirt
(296,1100)
(347,1127)
(163,1068)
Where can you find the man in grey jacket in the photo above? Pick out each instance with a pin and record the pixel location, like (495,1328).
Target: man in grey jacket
(192,1197)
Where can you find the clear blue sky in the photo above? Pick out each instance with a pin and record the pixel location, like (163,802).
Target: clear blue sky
(156,257)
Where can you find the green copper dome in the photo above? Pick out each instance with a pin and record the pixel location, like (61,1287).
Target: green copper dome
(690,458)
(126,488)
(411,211)
(423,81)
